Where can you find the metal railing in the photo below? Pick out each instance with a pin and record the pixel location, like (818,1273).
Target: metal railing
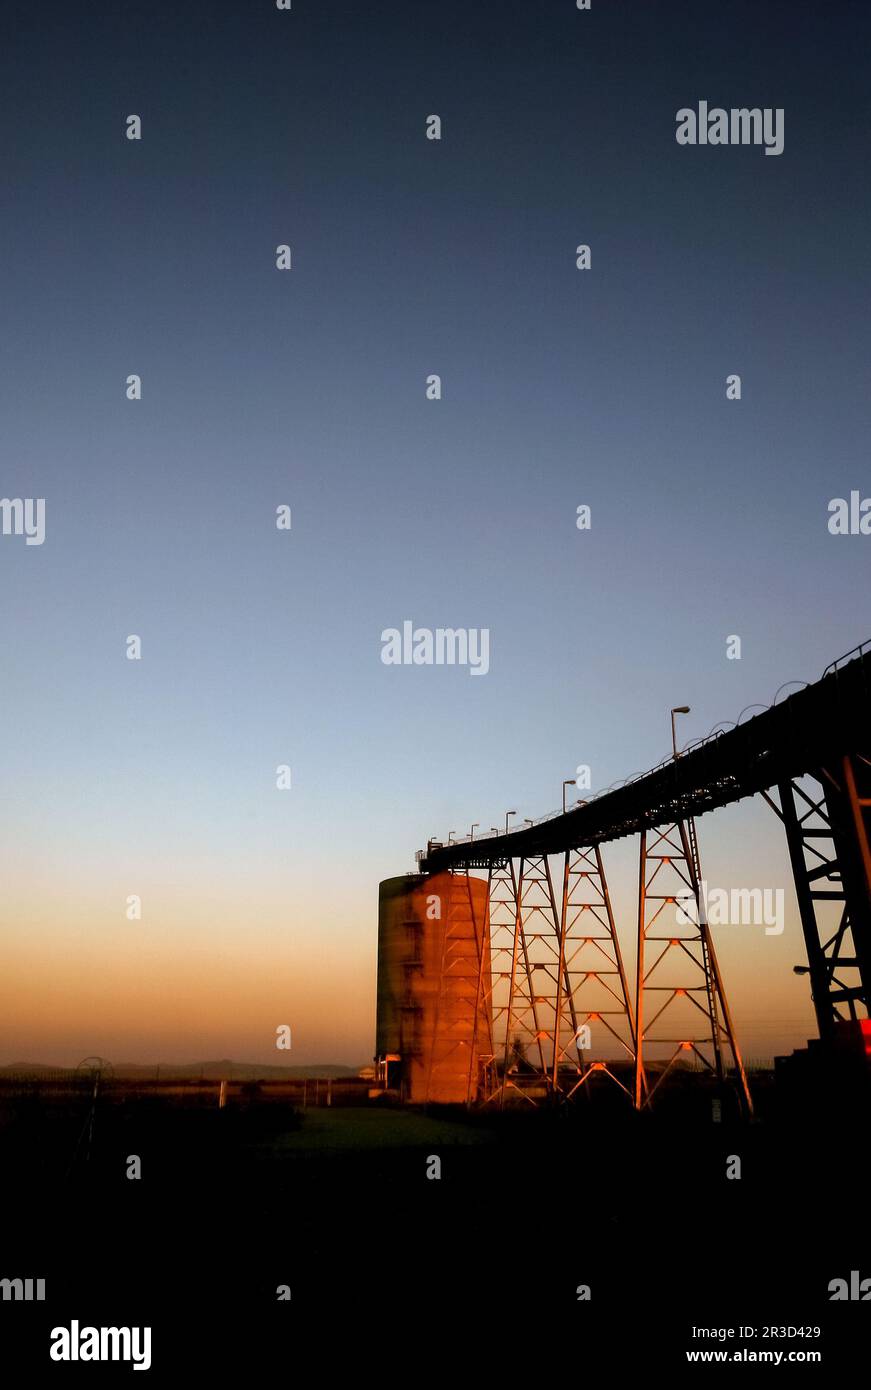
(720,728)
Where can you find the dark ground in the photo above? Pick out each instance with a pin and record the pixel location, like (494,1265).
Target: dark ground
(336,1204)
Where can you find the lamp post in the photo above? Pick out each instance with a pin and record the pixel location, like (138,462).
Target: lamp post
(570,782)
(507,814)
(475,827)
(678,709)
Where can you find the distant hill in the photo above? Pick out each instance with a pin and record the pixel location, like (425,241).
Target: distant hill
(193,1071)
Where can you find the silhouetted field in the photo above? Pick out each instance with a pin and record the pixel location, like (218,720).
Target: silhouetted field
(335,1203)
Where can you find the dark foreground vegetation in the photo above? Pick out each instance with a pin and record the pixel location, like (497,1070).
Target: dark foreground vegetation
(336,1204)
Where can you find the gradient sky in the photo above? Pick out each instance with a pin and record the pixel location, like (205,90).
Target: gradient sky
(410,257)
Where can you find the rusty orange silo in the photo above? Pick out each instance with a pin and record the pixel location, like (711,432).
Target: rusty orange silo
(433,1026)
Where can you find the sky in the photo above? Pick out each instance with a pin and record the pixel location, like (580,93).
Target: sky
(306,388)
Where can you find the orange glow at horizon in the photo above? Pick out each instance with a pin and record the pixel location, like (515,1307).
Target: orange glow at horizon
(227,951)
(192,980)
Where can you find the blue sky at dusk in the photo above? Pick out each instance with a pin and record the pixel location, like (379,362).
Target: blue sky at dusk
(261,387)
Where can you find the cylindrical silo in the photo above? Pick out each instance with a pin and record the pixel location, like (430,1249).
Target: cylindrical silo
(433,1026)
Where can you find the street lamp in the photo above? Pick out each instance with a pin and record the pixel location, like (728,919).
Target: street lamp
(451,834)
(678,709)
(507,814)
(570,782)
(527,821)
(475,827)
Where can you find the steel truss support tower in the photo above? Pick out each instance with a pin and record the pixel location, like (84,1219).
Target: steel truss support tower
(523,956)
(494,991)
(828,831)
(555,983)
(680,1004)
(592,992)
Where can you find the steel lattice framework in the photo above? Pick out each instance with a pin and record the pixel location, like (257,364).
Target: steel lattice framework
(827,819)
(523,956)
(680,1001)
(551,966)
(553,980)
(595,998)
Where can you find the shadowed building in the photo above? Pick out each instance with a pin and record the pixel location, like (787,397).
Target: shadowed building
(433,1030)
